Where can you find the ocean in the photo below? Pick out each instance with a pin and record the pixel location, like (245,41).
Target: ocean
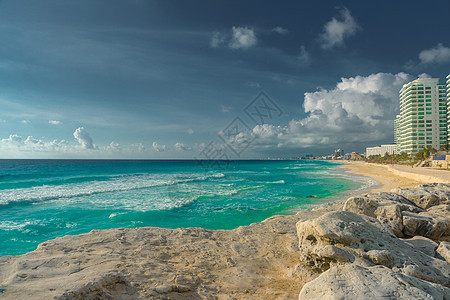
(44,199)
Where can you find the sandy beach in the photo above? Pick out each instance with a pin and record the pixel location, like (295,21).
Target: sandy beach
(395,176)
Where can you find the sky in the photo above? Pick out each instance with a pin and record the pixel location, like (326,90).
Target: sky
(210,79)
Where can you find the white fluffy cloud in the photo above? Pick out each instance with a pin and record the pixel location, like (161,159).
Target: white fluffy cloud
(238,38)
(158,147)
(359,109)
(243,38)
(83,137)
(55,122)
(424,75)
(15,143)
(180,147)
(369,99)
(337,29)
(113,147)
(438,54)
(138,147)
(16,146)
(13,139)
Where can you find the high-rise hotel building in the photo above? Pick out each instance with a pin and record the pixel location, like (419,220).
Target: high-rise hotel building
(448,107)
(422,121)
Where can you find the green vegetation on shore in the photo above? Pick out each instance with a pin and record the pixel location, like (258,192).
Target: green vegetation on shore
(406,159)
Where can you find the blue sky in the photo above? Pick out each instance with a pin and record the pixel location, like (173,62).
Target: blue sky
(170,79)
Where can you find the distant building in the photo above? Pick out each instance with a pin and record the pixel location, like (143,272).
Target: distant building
(356,156)
(373,151)
(347,156)
(380,150)
(389,149)
(422,121)
(338,153)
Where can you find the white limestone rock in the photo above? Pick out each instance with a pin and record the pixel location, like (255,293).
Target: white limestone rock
(426,195)
(356,282)
(423,244)
(442,212)
(251,262)
(404,217)
(426,224)
(343,237)
(386,207)
(391,215)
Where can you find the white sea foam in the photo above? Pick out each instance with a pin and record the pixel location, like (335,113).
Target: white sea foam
(114,215)
(11,225)
(218,175)
(21,226)
(295,167)
(278,182)
(70,191)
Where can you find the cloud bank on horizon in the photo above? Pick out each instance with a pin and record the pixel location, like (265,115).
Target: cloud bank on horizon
(162,82)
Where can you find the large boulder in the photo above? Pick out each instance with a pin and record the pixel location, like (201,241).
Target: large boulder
(386,207)
(368,203)
(426,224)
(423,244)
(343,237)
(404,217)
(378,282)
(426,195)
(442,212)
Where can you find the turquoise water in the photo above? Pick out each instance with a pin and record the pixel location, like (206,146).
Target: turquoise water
(44,199)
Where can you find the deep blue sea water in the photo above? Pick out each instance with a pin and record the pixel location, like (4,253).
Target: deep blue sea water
(45,199)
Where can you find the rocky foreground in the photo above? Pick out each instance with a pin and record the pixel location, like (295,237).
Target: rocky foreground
(376,246)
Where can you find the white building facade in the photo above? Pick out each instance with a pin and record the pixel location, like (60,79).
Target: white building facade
(448,108)
(380,150)
(422,121)
(373,151)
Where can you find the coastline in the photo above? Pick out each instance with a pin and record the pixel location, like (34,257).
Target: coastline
(274,259)
(396,176)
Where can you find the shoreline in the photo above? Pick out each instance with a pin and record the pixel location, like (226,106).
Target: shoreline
(378,181)
(396,176)
(273,259)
